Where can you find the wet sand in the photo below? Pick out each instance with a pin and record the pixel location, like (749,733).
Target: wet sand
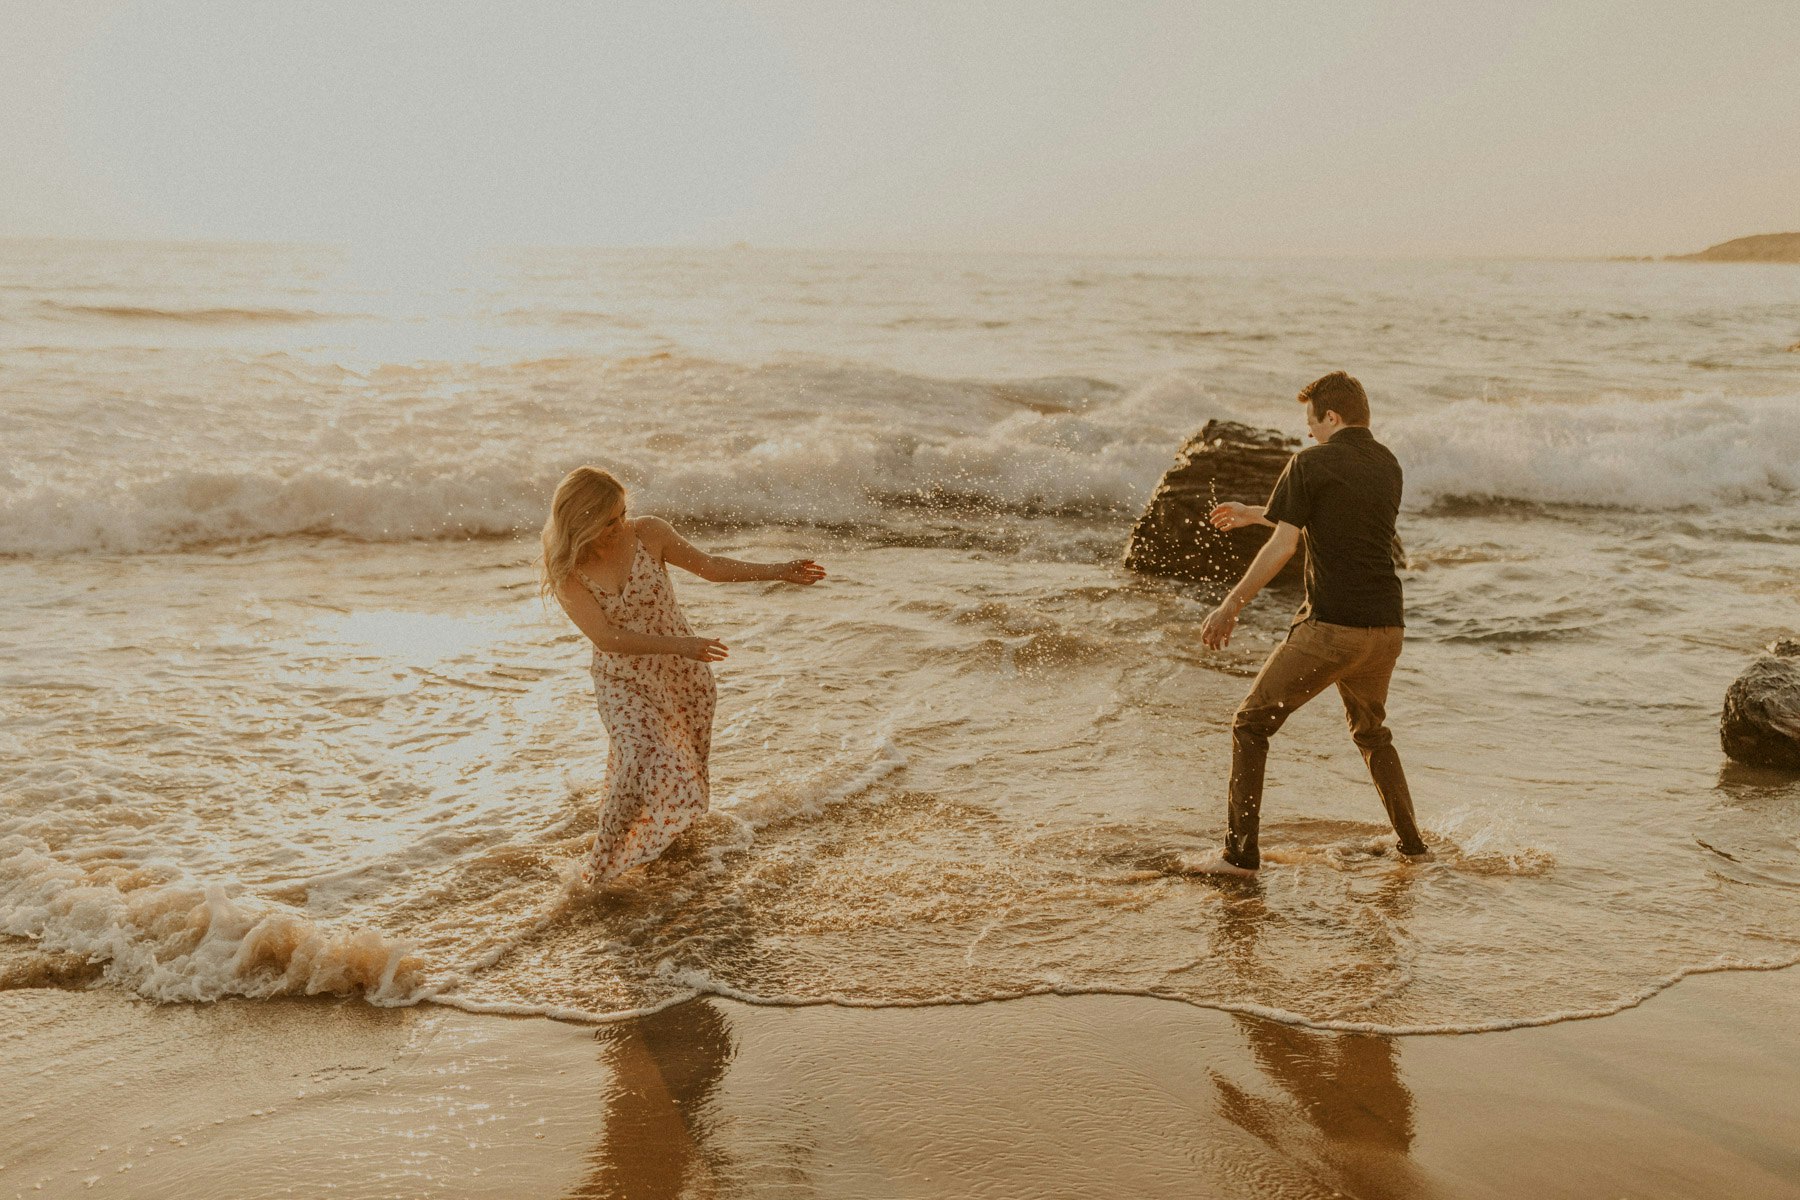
(1690,1094)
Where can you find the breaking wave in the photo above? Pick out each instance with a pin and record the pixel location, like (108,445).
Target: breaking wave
(834,445)
(1622,452)
(166,938)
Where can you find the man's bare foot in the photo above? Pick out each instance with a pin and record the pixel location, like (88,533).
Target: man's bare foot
(1216,864)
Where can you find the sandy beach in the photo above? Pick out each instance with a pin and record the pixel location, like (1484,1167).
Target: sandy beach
(1689,1095)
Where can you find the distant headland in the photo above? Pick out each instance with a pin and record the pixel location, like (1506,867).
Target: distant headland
(1762,247)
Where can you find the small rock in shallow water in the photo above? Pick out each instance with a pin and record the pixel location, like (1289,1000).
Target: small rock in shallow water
(1761,721)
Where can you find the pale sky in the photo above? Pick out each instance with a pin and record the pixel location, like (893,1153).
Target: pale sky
(1248,127)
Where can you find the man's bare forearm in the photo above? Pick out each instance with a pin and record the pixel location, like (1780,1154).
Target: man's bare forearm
(1265,566)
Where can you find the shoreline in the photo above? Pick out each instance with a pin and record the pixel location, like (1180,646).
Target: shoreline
(1276,1016)
(1686,1095)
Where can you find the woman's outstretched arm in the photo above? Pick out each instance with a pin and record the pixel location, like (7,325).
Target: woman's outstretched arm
(585,611)
(671,547)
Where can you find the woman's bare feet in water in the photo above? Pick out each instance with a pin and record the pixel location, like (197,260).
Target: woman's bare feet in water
(1215,864)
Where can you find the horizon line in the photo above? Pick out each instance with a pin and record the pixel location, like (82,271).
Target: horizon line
(751,247)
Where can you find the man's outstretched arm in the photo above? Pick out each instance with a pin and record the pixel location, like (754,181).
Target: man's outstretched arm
(1267,564)
(1229,515)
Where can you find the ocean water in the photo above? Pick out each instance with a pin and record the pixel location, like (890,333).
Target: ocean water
(281,711)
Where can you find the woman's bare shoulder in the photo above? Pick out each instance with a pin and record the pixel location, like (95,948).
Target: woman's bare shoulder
(651,530)
(572,587)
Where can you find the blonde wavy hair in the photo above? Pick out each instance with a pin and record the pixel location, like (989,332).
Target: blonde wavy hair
(585,500)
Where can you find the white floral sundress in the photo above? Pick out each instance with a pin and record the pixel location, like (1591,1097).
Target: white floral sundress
(658,712)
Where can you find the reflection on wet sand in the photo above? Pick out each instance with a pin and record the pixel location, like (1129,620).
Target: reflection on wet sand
(1355,1125)
(1356,1113)
(664,1069)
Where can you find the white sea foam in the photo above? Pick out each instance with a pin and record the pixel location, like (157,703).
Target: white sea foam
(813,790)
(168,938)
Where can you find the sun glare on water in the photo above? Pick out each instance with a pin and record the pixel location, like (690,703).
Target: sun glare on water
(410,639)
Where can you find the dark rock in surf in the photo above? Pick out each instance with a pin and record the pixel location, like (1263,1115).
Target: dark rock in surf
(1224,461)
(1761,721)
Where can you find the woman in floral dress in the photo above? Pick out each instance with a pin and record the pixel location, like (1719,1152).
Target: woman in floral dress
(651,679)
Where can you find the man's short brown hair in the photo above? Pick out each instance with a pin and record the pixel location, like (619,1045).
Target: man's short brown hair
(1338,393)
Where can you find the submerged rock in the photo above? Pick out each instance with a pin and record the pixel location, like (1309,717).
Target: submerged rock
(1761,721)
(1224,461)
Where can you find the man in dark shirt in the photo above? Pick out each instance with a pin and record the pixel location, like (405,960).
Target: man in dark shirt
(1344,494)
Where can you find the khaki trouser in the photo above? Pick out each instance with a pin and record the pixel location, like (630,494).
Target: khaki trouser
(1315,656)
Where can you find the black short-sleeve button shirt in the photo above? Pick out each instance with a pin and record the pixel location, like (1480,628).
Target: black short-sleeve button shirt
(1345,495)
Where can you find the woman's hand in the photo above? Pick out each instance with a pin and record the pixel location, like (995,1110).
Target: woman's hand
(801,570)
(701,649)
(1231,515)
